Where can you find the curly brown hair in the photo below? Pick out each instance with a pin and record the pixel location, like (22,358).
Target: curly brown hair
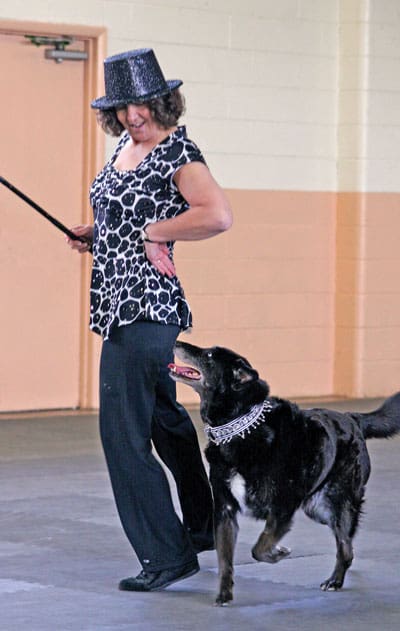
(166,111)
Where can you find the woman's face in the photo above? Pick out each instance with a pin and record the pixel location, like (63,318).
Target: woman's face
(138,121)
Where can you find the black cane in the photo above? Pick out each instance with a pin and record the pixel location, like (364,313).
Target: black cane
(45,214)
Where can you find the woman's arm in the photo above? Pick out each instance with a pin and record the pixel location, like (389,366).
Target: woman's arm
(209,212)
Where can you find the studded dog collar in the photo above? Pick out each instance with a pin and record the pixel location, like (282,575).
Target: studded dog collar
(239,426)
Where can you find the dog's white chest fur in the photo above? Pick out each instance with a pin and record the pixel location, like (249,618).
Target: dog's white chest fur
(238,490)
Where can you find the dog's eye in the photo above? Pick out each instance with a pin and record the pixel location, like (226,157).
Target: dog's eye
(209,354)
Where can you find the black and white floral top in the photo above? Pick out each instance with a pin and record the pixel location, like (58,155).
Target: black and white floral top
(125,286)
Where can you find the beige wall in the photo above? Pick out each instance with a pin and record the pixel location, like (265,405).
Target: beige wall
(367,318)
(259,77)
(259,81)
(369,96)
(296,106)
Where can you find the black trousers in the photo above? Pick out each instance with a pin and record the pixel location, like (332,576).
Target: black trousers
(138,408)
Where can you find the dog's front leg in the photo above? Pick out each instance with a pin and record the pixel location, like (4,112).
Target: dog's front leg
(225,522)
(226,529)
(266,548)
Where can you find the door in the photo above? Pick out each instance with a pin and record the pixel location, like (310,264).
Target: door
(41,153)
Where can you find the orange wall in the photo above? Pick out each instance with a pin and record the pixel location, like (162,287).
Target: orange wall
(306,285)
(47,357)
(367,313)
(266,288)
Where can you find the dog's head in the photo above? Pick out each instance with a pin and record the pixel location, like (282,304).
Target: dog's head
(226,382)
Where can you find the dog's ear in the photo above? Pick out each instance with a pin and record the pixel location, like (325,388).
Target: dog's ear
(243,374)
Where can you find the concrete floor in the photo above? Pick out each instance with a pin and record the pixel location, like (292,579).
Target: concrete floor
(63,551)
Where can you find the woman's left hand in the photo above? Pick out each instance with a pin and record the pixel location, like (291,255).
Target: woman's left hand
(158,255)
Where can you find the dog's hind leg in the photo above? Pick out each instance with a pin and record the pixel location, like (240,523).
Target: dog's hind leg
(266,548)
(342,518)
(344,558)
(344,529)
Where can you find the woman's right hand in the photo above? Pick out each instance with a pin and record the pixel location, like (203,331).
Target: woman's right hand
(85,231)
(158,255)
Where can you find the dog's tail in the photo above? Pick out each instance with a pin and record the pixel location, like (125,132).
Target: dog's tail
(383,422)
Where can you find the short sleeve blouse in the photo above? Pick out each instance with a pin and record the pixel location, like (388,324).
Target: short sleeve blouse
(125,286)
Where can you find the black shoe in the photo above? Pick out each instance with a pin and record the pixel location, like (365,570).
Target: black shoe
(153,581)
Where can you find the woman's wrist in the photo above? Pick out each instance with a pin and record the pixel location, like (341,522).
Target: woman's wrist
(145,236)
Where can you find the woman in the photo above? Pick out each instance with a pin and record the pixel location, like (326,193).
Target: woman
(154,190)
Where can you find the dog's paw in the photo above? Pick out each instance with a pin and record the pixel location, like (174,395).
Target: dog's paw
(282,552)
(331,585)
(274,555)
(223,599)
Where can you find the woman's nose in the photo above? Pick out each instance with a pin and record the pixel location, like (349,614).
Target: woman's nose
(131,110)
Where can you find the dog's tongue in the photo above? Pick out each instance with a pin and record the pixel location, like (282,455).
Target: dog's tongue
(184,371)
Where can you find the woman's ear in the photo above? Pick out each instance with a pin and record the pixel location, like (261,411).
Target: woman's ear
(243,374)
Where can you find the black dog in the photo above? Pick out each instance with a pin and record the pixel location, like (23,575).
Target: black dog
(280,457)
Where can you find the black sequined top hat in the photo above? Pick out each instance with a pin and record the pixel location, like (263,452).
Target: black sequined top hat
(133,77)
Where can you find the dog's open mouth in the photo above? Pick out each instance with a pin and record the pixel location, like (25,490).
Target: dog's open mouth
(184,372)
